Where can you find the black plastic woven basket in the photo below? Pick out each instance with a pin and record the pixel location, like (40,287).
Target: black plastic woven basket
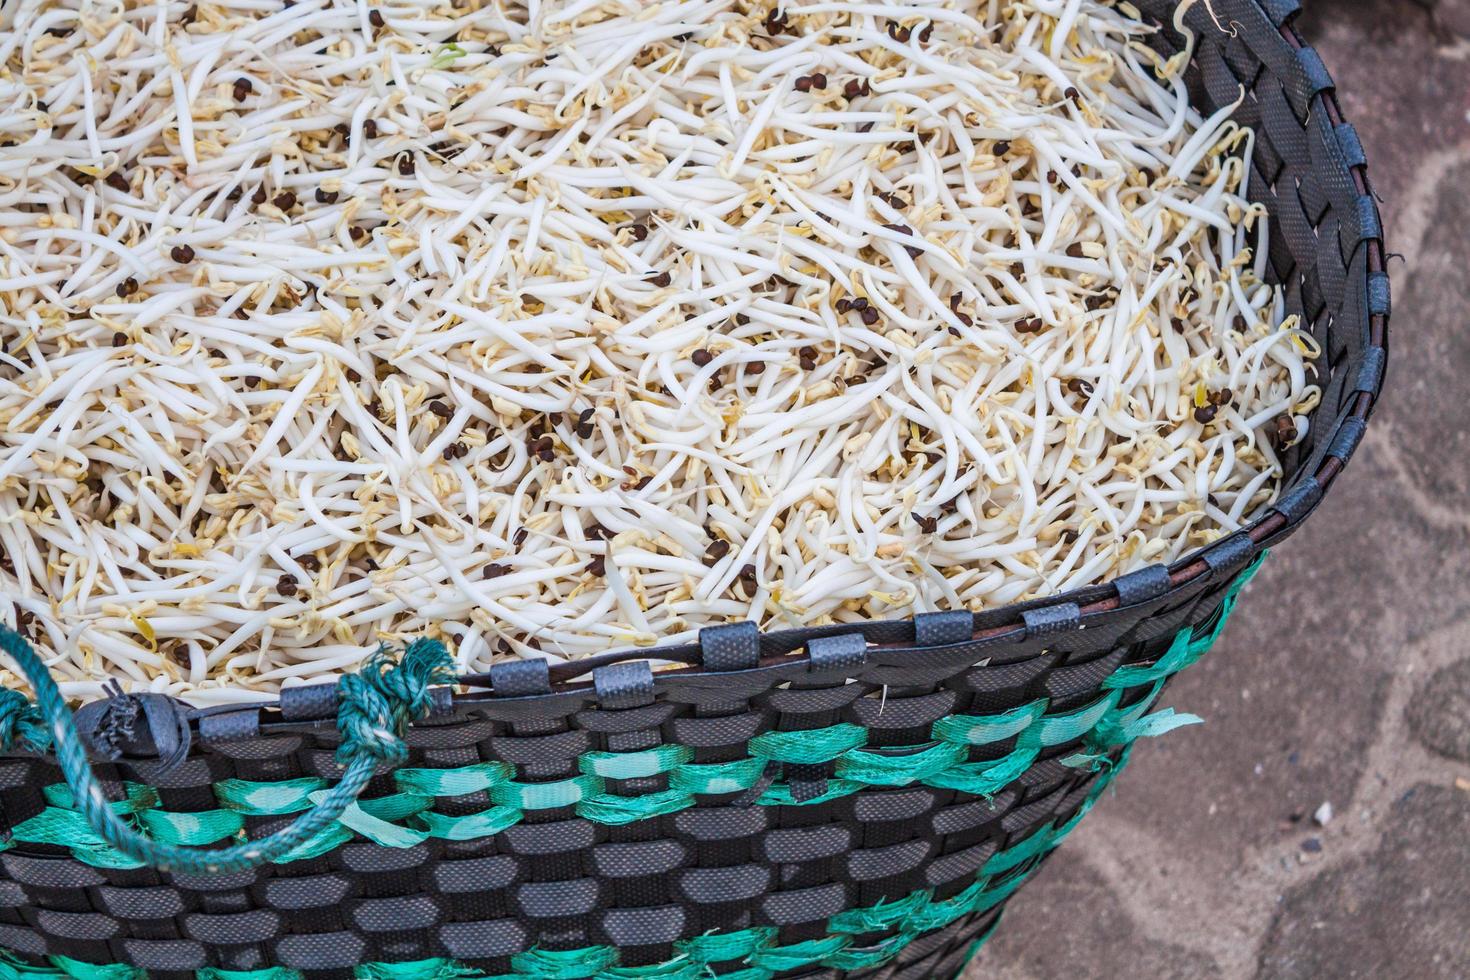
(844,801)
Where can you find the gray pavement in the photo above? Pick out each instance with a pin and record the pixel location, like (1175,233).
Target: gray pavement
(1344,677)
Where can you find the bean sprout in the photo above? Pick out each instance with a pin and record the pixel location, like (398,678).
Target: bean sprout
(548,328)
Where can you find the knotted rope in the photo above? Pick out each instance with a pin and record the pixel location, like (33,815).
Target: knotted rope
(376,706)
(21,723)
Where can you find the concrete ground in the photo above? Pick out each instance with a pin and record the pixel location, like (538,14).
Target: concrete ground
(1344,677)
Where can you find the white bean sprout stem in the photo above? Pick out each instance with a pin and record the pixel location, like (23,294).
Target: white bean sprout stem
(550,328)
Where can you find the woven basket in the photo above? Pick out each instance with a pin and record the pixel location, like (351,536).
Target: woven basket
(836,802)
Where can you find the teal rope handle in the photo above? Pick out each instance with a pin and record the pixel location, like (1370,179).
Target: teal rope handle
(376,706)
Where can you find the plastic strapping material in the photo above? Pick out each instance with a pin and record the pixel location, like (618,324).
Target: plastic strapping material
(846,652)
(807,781)
(441,702)
(1367,222)
(626,685)
(943,628)
(1370,374)
(520,678)
(308,702)
(230,726)
(1349,435)
(1145,584)
(1298,502)
(1229,554)
(1352,147)
(1380,299)
(140,726)
(733,646)
(1302,86)
(1050,620)
(1280,10)
(1318,78)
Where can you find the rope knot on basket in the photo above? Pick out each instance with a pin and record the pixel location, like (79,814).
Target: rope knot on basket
(375,708)
(21,722)
(376,705)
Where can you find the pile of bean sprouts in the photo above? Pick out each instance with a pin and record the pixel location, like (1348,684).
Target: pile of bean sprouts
(549,328)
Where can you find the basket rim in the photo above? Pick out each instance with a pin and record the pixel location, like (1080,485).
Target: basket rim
(1278,521)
